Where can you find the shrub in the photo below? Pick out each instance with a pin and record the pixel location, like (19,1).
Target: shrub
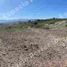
(46,27)
(66,25)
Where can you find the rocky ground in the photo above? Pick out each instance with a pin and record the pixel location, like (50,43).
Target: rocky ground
(33,48)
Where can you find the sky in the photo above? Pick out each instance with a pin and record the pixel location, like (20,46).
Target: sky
(33,9)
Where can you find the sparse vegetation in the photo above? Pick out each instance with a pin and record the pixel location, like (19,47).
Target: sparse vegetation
(34,44)
(39,23)
(66,25)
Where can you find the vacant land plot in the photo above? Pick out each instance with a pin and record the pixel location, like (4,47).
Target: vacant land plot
(33,48)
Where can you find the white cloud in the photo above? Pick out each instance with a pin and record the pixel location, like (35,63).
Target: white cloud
(60,16)
(64,15)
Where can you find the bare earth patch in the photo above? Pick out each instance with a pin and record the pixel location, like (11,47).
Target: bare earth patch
(33,48)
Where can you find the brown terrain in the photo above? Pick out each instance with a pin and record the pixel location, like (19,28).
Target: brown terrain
(33,48)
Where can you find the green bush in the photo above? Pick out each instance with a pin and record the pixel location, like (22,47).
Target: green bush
(66,25)
(46,27)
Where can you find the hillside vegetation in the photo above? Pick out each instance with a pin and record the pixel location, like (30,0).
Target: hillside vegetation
(38,43)
(53,23)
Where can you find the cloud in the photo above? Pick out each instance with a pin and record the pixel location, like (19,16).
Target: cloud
(64,15)
(60,16)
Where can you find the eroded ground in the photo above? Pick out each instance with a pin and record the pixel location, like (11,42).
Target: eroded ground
(33,48)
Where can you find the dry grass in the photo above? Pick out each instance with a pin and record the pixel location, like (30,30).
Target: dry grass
(33,48)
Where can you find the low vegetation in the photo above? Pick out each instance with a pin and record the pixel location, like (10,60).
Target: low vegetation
(39,23)
(38,43)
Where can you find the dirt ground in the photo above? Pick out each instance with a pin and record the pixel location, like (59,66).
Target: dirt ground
(33,48)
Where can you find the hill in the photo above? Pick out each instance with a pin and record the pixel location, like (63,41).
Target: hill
(38,43)
(19,25)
